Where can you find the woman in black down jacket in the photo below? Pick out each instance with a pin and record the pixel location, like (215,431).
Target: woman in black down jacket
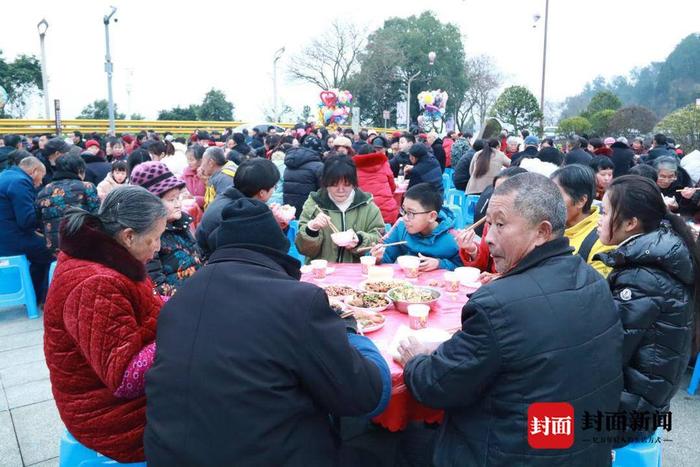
(654,286)
(303,172)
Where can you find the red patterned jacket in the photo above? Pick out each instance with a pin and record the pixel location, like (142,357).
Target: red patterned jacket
(100,312)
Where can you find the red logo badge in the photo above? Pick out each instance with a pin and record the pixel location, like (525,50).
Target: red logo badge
(550,425)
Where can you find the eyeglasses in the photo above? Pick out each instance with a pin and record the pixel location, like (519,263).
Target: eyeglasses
(410,215)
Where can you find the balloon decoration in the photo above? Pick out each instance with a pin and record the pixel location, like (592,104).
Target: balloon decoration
(3,97)
(334,108)
(432,103)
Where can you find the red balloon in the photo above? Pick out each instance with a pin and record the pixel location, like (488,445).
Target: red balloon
(329,98)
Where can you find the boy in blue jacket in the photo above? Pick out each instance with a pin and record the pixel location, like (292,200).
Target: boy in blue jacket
(425,225)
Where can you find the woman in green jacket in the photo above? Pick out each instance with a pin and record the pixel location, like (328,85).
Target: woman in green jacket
(341,203)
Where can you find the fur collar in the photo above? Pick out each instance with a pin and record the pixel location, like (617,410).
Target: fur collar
(369,160)
(91,244)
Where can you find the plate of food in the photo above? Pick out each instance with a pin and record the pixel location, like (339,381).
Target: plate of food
(380,286)
(369,322)
(409,294)
(368,301)
(339,291)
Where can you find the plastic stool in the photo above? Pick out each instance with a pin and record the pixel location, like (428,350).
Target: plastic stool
(447,183)
(456,197)
(469,208)
(16,284)
(293,229)
(646,454)
(695,379)
(459,219)
(74,454)
(51,271)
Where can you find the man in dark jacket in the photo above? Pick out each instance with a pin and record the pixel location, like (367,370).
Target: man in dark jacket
(97,167)
(622,157)
(249,372)
(54,149)
(461,175)
(211,219)
(240,150)
(303,172)
(435,144)
(530,151)
(576,154)
(401,159)
(659,149)
(426,168)
(12,143)
(546,331)
(18,219)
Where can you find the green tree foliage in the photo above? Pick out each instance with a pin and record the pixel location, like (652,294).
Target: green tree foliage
(684,126)
(20,78)
(137,116)
(215,107)
(397,51)
(99,110)
(517,107)
(632,121)
(600,121)
(603,100)
(180,113)
(574,126)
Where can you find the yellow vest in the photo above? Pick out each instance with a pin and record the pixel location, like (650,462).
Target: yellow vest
(578,233)
(210,192)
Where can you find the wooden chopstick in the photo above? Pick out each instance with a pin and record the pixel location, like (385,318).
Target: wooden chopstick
(475,224)
(367,248)
(694,189)
(330,222)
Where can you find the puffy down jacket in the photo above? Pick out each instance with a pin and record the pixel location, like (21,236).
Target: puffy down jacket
(374,176)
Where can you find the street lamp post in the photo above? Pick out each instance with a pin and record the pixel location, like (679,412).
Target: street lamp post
(277,56)
(108,68)
(42,26)
(431,60)
(544,62)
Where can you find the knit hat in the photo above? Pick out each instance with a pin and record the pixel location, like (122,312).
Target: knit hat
(609,140)
(155,177)
(128,139)
(418,150)
(248,221)
(90,143)
(379,142)
(532,140)
(55,144)
(342,141)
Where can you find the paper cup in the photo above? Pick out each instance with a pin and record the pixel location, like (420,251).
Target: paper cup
(451,281)
(366,262)
(418,315)
(410,265)
(318,267)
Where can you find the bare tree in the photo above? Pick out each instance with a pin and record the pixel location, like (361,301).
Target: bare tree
(281,115)
(328,60)
(484,80)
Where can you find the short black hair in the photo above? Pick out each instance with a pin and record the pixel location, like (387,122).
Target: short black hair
(599,163)
(577,180)
(596,142)
(197,151)
(119,165)
(525,133)
(365,149)
(254,175)
(337,169)
(660,139)
(509,172)
(645,170)
(71,163)
(409,137)
(549,141)
(137,157)
(468,134)
(155,147)
(238,138)
(78,133)
(551,154)
(478,145)
(426,195)
(348,131)
(12,140)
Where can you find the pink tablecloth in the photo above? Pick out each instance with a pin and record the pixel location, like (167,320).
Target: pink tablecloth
(400,191)
(447,315)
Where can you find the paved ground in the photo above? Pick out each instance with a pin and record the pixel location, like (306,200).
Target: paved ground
(30,427)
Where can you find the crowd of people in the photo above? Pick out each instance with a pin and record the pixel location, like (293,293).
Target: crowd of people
(177,329)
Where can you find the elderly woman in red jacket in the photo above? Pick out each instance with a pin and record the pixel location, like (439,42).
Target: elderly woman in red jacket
(100,321)
(374,176)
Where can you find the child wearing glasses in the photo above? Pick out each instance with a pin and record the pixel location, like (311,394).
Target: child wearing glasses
(425,225)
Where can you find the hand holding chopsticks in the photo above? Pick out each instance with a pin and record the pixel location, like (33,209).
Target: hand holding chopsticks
(322,220)
(383,245)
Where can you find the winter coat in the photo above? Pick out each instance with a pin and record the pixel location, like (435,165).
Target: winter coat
(375,176)
(399,159)
(302,176)
(439,153)
(622,157)
(546,331)
(253,382)
(100,312)
(578,156)
(652,284)
(177,162)
(447,147)
(427,170)
(586,232)
(65,191)
(195,185)
(363,216)
(440,244)
(478,184)
(691,164)
(529,152)
(604,151)
(178,259)
(4,156)
(211,219)
(219,182)
(96,168)
(461,176)
(656,152)
(18,216)
(458,150)
(239,153)
(107,185)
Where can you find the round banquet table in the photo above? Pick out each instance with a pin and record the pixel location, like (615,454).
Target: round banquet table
(402,407)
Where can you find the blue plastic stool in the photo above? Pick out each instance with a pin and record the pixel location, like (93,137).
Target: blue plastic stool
(695,379)
(456,197)
(459,219)
(447,183)
(449,171)
(74,454)
(51,271)
(640,454)
(16,284)
(469,208)
(291,235)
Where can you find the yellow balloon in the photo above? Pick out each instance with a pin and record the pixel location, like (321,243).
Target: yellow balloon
(428,99)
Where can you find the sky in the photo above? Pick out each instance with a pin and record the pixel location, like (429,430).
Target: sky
(171,53)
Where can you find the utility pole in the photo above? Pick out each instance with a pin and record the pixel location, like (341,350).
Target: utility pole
(42,26)
(108,68)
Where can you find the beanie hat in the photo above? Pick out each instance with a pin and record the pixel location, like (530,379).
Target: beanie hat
(312,142)
(342,141)
(128,139)
(379,142)
(418,150)
(248,221)
(155,177)
(609,140)
(532,140)
(90,143)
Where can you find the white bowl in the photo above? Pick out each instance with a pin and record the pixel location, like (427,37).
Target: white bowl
(408,261)
(343,239)
(288,212)
(468,275)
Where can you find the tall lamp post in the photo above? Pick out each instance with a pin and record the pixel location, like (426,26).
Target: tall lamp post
(108,68)
(431,60)
(544,59)
(275,59)
(42,26)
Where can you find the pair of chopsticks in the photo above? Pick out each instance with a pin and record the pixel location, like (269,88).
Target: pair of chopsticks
(475,224)
(367,248)
(694,189)
(330,222)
